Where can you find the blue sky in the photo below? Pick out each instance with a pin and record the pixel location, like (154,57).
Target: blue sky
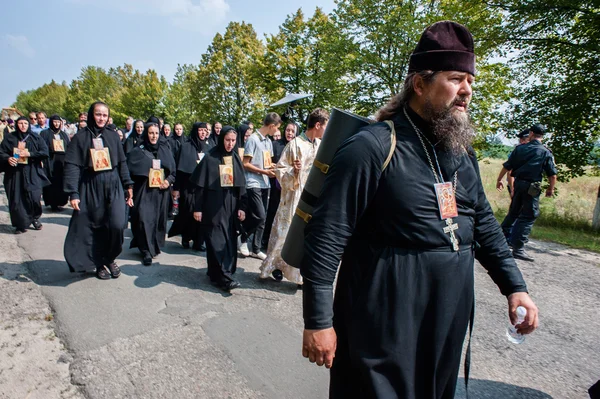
(41,40)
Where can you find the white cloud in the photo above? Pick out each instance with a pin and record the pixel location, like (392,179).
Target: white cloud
(19,43)
(195,15)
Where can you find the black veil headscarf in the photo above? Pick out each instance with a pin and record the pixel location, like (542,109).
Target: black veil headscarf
(207,173)
(174,135)
(199,144)
(20,135)
(241,132)
(53,118)
(78,152)
(139,160)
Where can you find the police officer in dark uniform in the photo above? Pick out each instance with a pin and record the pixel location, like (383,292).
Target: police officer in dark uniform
(523,136)
(526,164)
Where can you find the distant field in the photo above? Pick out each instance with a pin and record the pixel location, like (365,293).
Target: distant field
(566,218)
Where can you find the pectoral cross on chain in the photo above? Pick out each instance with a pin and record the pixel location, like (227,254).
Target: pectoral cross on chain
(449,229)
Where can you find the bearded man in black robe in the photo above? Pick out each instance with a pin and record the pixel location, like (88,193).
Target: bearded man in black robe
(405,291)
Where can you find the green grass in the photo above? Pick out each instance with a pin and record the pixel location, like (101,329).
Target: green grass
(565,218)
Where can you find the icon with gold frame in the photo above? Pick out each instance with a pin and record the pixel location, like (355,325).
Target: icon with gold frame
(100,159)
(156,177)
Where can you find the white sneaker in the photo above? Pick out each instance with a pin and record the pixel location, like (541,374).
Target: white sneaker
(244,249)
(260,255)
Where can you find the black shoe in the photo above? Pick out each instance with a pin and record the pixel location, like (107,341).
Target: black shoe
(277,275)
(115,271)
(103,273)
(185,244)
(147,261)
(520,254)
(37,224)
(231,285)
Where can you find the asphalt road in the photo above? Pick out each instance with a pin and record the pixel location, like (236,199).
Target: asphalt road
(164,332)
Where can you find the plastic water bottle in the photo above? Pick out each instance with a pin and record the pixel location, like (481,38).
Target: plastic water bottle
(511,333)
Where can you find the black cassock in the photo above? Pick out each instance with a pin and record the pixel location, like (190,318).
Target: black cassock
(54,194)
(219,207)
(132,142)
(187,160)
(24,183)
(95,236)
(150,204)
(403,298)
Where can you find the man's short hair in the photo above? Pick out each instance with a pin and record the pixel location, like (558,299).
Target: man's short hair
(538,130)
(318,115)
(129,118)
(272,118)
(41,113)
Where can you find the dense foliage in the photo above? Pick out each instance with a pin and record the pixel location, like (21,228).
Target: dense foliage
(537,61)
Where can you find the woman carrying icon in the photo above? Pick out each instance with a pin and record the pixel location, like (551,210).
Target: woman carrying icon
(95,177)
(152,169)
(219,183)
(21,156)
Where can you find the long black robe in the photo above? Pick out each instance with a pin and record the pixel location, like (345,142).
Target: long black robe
(219,207)
(176,142)
(54,194)
(24,183)
(150,204)
(184,223)
(403,297)
(95,236)
(132,141)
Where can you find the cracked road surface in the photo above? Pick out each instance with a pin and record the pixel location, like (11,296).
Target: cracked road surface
(164,332)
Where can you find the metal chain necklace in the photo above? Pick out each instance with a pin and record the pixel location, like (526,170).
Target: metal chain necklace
(450,225)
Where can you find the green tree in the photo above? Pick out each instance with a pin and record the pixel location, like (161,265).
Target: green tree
(93,84)
(556,53)
(142,94)
(50,98)
(179,103)
(384,33)
(304,56)
(226,86)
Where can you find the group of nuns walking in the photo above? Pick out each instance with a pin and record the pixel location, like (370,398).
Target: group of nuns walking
(109,181)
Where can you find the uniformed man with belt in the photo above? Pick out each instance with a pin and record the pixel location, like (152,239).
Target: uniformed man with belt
(510,180)
(526,164)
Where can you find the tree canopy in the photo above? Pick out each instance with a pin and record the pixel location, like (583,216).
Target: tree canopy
(537,62)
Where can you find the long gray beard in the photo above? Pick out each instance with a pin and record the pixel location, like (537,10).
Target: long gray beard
(454,132)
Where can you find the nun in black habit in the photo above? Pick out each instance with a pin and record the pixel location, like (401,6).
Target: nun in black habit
(176,139)
(151,204)
(220,183)
(190,154)
(24,182)
(135,138)
(95,236)
(57,142)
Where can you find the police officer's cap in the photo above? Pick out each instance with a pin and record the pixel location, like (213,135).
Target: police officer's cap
(523,133)
(538,129)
